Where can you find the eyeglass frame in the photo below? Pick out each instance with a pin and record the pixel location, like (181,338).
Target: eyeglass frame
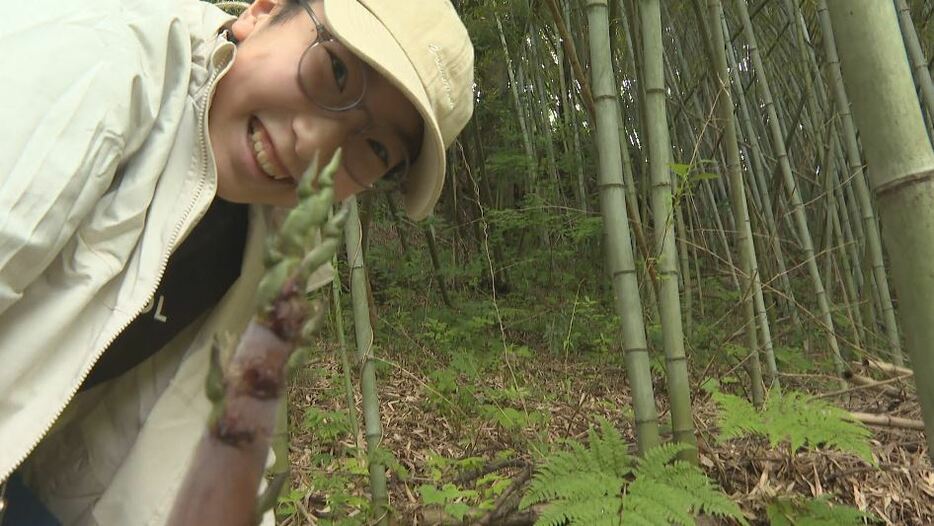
(322,35)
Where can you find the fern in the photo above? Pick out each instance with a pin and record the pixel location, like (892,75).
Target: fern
(602,511)
(816,512)
(677,487)
(738,417)
(795,417)
(602,485)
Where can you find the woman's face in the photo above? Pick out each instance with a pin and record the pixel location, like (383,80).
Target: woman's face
(264,129)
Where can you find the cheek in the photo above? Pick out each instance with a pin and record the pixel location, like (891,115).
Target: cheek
(344,188)
(229,105)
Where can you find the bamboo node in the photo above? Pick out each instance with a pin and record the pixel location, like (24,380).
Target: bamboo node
(890,187)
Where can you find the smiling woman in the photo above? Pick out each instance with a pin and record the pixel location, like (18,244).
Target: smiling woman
(133,184)
(302,87)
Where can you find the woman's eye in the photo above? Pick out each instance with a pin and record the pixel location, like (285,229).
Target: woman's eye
(395,173)
(339,70)
(381,151)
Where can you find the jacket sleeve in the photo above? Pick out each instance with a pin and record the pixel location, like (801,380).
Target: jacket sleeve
(82,88)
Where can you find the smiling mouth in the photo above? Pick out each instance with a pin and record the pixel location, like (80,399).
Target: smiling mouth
(263,155)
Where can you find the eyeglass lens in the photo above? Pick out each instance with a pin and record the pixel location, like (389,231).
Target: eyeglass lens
(334,79)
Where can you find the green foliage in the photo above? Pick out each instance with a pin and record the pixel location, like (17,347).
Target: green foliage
(815,512)
(288,502)
(512,419)
(447,394)
(664,485)
(456,501)
(345,505)
(507,162)
(328,426)
(602,485)
(450,497)
(792,358)
(794,417)
(689,175)
(383,457)
(587,325)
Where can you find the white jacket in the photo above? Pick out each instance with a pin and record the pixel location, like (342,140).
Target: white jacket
(105,168)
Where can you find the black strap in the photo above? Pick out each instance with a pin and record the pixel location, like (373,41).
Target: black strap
(198,274)
(23,507)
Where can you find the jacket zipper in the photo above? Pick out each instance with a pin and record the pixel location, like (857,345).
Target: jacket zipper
(202,118)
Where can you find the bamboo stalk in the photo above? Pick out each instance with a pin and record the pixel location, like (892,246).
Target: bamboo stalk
(520,113)
(346,369)
(886,367)
(869,383)
(737,189)
(791,186)
(429,231)
(364,338)
(916,55)
(619,242)
(901,161)
(771,229)
(659,148)
(571,53)
(870,227)
(888,421)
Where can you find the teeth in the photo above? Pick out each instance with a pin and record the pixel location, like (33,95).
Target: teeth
(263,157)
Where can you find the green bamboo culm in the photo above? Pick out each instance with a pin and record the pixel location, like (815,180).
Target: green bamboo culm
(363,331)
(756,169)
(737,188)
(901,168)
(346,367)
(431,239)
(669,304)
(918,60)
(791,186)
(855,164)
(619,242)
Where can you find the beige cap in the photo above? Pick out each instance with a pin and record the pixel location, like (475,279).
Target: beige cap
(422,47)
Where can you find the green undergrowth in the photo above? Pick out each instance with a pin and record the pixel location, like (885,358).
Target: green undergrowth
(819,511)
(458,500)
(793,420)
(602,484)
(497,369)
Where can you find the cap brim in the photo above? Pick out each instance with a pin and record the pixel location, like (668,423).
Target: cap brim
(359,30)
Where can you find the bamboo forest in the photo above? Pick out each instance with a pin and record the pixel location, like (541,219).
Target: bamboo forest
(681,272)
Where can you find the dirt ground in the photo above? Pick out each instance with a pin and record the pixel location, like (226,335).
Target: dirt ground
(899,490)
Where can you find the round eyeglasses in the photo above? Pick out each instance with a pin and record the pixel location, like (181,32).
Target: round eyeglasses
(335,80)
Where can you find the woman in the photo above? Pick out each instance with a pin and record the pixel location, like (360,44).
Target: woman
(135,134)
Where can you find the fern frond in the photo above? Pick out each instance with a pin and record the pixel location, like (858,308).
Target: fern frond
(816,512)
(706,496)
(572,487)
(680,488)
(594,471)
(737,417)
(656,460)
(807,421)
(584,486)
(603,511)
(634,519)
(609,450)
(655,499)
(800,419)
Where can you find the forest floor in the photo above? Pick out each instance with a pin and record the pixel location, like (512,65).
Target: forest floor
(472,398)
(518,409)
